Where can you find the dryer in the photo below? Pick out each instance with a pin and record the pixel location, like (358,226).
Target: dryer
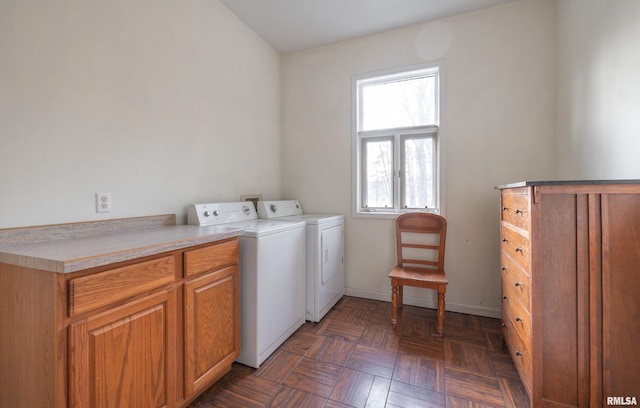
(325,275)
(272,275)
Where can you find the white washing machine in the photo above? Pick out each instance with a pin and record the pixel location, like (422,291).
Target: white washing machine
(272,275)
(325,283)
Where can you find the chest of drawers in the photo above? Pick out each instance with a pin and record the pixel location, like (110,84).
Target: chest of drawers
(569,255)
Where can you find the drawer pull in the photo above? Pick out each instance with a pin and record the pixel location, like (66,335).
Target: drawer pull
(504,268)
(505,240)
(519,250)
(519,354)
(505,297)
(518,284)
(519,212)
(518,319)
(505,208)
(504,325)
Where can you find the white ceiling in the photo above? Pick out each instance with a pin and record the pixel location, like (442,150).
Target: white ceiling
(294,25)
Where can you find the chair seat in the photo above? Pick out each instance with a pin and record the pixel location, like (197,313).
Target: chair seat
(433,276)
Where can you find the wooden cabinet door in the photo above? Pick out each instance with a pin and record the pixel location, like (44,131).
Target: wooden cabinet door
(125,357)
(619,357)
(212,327)
(562,373)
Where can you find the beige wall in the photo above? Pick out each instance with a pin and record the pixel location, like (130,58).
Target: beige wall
(498,127)
(159,103)
(162,104)
(598,131)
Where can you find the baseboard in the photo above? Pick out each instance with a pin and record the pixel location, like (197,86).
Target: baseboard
(428,301)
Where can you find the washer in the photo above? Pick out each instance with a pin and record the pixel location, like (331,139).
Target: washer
(272,276)
(325,283)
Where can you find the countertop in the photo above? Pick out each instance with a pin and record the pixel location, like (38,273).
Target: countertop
(565,183)
(71,253)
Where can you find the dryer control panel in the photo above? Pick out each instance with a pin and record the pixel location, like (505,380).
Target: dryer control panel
(279,208)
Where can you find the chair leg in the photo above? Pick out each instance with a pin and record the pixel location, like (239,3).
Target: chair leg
(441,292)
(396,302)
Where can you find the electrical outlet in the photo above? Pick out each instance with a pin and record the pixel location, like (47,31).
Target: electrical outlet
(103,202)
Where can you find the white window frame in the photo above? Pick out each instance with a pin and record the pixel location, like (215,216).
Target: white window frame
(398,135)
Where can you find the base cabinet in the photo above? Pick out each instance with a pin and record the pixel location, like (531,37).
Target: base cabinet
(148,333)
(570,257)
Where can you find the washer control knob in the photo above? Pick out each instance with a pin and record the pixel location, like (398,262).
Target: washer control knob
(246,210)
(216,213)
(207,213)
(274,208)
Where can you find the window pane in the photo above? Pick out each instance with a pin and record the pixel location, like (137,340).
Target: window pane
(418,173)
(401,103)
(379,173)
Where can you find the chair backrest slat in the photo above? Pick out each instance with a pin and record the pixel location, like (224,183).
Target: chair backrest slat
(419,262)
(422,246)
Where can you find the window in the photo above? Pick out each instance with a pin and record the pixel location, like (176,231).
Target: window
(396,146)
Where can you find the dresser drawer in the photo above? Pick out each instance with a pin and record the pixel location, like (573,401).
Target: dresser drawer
(516,208)
(212,257)
(515,282)
(516,246)
(516,314)
(520,353)
(103,288)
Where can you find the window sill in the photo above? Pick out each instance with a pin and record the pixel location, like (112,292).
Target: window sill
(384,215)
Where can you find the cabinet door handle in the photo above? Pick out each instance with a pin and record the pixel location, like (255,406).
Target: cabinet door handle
(505,240)
(518,319)
(505,297)
(504,325)
(505,208)
(519,250)
(519,212)
(518,284)
(504,268)
(519,354)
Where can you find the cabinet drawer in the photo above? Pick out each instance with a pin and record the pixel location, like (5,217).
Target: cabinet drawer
(516,246)
(515,282)
(515,208)
(100,289)
(520,353)
(211,258)
(517,315)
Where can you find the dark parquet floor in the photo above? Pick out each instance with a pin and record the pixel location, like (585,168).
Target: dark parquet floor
(354,358)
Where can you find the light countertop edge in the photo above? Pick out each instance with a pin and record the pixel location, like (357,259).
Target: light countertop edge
(76,254)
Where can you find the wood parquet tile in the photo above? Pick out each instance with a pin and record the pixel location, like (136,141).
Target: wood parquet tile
(315,377)
(419,371)
(468,357)
(373,361)
(331,350)
(353,388)
(354,358)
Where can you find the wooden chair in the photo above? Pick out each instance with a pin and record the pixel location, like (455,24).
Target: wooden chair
(420,242)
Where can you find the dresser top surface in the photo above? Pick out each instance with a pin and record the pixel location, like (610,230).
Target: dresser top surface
(565,183)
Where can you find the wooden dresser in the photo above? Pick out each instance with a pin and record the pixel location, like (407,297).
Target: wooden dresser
(570,260)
